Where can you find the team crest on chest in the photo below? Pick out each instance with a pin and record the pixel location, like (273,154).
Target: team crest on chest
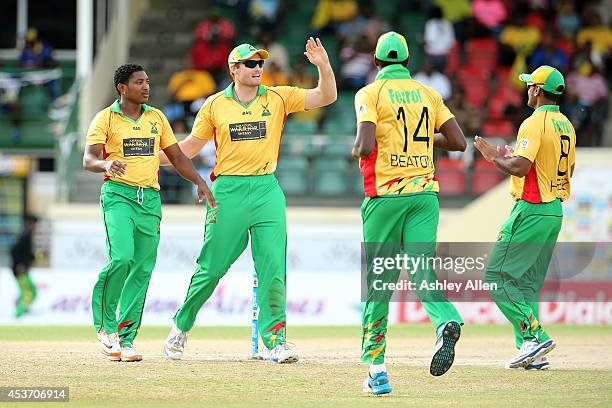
(154,128)
(266,111)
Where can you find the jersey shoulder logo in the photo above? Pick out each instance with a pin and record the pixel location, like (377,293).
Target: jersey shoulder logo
(524,143)
(154,128)
(266,111)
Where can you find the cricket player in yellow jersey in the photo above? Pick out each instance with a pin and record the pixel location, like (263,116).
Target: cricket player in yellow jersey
(129,135)
(540,167)
(246,123)
(397,123)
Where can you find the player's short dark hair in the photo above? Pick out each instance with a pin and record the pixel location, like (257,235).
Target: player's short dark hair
(124,72)
(386,64)
(551,96)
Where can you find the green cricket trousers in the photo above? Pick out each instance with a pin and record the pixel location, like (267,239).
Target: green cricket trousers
(519,263)
(246,205)
(407,223)
(131,217)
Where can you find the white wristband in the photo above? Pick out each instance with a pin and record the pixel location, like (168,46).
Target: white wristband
(107,166)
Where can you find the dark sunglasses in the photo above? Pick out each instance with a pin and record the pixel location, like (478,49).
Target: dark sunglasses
(252,63)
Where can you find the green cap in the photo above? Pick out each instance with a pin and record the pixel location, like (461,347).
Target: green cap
(548,78)
(244,52)
(391,47)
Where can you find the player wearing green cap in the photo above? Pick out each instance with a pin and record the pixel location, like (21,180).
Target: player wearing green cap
(397,120)
(540,167)
(246,122)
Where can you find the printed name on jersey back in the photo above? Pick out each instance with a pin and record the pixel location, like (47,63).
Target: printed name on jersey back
(405,96)
(403,160)
(562,126)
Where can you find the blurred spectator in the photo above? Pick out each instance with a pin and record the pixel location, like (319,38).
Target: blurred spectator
(329,13)
(367,23)
(439,39)
(356,64)
(210,56)
(522,38)
(490,13)
(278,52)
(588,94)
(212,43)
(548,54)
(9,102)
(467,115)
(600,37)
(35,53)
(189,84)
(301,78)
(273,76)
(430,77)
(568,20)
(38,55)
(536,20)
(214,27)
(263,14)
(456,12)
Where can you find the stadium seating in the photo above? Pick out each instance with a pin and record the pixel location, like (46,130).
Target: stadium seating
(331,176)
(485,176)
(498,128)
(451,176)
(292,174)
(482,53)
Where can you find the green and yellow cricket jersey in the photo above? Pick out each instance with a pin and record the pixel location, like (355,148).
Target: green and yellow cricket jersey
(135,142)
(247,137)
(406,114)
(548,140)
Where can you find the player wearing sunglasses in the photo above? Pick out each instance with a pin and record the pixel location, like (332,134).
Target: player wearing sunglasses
(246,122)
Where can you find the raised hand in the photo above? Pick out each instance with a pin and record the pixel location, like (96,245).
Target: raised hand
(315,52)
(489,152)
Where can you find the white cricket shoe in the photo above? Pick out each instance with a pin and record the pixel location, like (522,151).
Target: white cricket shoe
(109,345)
(530,351)
(539,364)
(282,353)
(175,343)
(129,354)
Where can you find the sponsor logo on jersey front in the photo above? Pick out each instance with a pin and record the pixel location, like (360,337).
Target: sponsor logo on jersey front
(247,131)
(138,146)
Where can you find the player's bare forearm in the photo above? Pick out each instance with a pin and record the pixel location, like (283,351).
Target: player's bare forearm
(91,159)
(450,138)
(500,156)
(186,169)
(441,143)
(327,84)
(325,93)
(512,166)
(91,162)
(365,140)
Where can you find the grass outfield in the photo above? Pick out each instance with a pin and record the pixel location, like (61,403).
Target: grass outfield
(217,370)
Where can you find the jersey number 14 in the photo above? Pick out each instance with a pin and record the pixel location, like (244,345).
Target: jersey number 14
(401,114)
